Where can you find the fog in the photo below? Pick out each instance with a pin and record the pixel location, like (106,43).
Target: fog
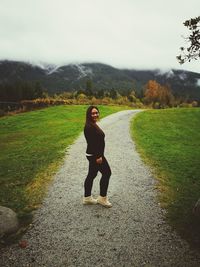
(136,34)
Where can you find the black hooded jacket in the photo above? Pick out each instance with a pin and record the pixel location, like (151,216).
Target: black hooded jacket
(95,140)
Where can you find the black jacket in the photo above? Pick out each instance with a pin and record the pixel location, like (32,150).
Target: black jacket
(95,140)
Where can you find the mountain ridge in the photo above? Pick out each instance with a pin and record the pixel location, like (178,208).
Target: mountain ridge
(74,76)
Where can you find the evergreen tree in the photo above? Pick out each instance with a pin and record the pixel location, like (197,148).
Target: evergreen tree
(38,92)
(88,90)
(100,93)
(113,94)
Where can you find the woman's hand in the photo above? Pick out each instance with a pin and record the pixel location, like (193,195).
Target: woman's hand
(99,160)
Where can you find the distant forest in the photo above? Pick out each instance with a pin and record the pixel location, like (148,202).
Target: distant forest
(20,90)
(31,95)
(25,86)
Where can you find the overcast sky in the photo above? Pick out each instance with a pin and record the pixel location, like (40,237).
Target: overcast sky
(138,34)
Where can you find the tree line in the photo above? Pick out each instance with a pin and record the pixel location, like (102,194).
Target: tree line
(20,90)
(152,95)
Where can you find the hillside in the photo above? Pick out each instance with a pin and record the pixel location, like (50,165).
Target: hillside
(74,76)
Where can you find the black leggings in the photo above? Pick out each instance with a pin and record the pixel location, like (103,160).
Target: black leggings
(105,170)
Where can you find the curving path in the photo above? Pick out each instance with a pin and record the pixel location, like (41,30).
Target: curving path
(132,233)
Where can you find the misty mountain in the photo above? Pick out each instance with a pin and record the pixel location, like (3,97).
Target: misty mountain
(72,77)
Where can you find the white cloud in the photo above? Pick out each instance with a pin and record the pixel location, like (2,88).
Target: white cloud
(132,34)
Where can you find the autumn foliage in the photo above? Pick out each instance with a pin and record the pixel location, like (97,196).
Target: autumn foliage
(157,95)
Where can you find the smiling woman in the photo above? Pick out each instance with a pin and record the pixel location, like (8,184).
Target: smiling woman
(32,146)
(97,161)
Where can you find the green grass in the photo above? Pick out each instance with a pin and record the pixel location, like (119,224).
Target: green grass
(33,146)
(169,141)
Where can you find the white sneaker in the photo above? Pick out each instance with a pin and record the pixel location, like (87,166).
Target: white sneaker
(89,200)
(104,201)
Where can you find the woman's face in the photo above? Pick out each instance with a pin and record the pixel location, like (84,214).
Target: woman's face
(94,114)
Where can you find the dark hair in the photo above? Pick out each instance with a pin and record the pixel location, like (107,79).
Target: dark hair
(88,115)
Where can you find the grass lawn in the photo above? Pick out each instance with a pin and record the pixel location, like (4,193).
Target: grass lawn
(33,146)
(169,141)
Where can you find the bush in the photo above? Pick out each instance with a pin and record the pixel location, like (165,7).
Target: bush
(44,102)
(94,101)
(138,104)
(156,105)
(106,100)
(2,112)
(194,104)
(184,105)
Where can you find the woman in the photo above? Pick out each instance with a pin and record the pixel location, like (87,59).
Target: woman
(97,162)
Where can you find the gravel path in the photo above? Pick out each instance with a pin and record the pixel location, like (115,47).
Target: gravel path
(132,233)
